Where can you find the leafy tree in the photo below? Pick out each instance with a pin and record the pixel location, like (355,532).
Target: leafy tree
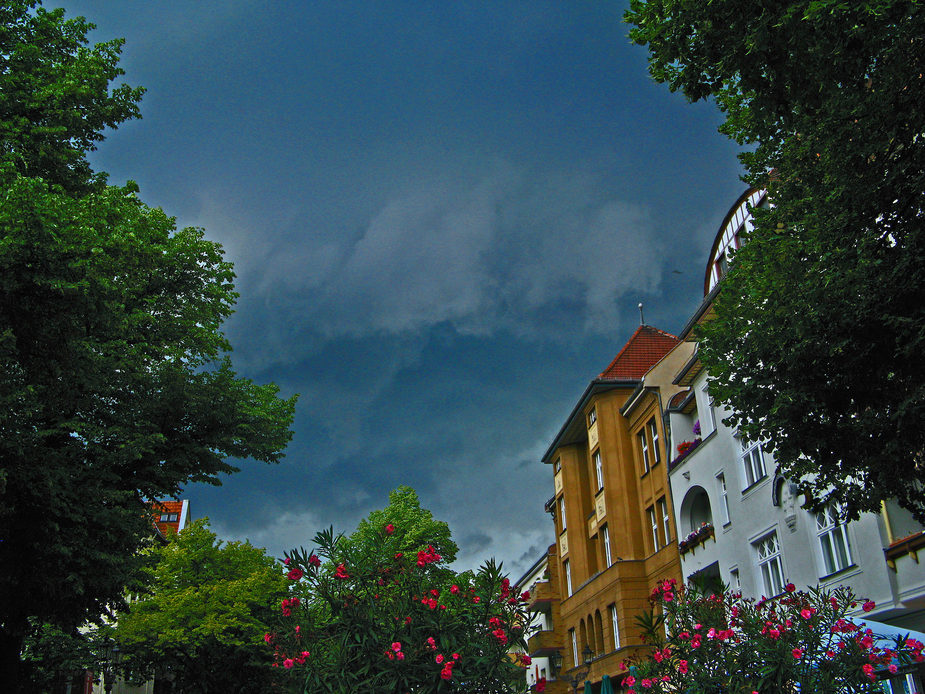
(203,619)
(820,324)
(802,641)
(53,658)
(115,386)
(376,615)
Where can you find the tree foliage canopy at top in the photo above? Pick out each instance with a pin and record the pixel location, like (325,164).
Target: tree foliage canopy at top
(820,325)
(115,387)
(203,618)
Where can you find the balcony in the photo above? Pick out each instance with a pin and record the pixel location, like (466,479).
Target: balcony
(543,644)
(542,595)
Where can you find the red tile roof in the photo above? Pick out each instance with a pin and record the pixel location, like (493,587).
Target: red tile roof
(639,354)
(168,515)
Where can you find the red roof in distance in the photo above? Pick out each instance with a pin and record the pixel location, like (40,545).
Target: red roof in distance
(170,516)
(641,352)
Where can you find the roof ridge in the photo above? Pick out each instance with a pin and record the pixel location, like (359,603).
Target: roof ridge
(645,347)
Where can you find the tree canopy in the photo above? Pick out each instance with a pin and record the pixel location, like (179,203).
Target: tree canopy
(820,324)
(201,623)
(115,384)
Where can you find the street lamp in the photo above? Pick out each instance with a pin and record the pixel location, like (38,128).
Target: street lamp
(111,657)
(578,674)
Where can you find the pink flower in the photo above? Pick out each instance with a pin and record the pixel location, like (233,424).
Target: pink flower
(295,574)
(439,658)
(797,653)
(400,655)
(869,605)
(268,638)
(892,667)
(629,680)
(288,663)
(454,589)
(389,529)
(869,671)
(456,656)
(431,644)
(790,587)
(341,572)
(396,646)
(806,613)
(313,560)
(682,667)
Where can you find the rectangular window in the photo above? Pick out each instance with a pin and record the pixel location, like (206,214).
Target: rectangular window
(599,470)
(753,460)
(562,511)
(592,416)
(770,565)
(644,448)
(711,413)
(666,520)
(557,465)
(833,539)
(574,639)
(734,580)
(568,577)
(653,523)
(616,627)
(653,434)
(170,517)
(723,496)
(605,538)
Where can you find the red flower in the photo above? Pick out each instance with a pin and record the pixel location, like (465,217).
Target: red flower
(295,574)
(288,663)
(341,572)
(790,587)
(869,605)
(541,684)
(389,529)
(313,560)
(797,653)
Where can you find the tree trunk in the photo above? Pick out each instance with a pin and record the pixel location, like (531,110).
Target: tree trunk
(12,635)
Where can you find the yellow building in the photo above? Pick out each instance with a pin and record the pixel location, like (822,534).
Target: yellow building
(612,510)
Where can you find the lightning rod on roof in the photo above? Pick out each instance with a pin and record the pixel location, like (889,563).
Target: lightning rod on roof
(642,321)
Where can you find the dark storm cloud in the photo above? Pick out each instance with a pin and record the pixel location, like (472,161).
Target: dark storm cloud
(442,217)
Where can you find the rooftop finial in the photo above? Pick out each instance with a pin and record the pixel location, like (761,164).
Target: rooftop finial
(642,320)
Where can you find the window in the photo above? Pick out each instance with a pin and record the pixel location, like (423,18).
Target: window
(833,539)
(723,496)
(734,580)
(616,627)
(557,465)
(644,448)
(769,564)
(599,470)
(666,520)
(562,511)
(753,460)
(568,577)
(169,517)
(592,416)
(653,434)
(605,538)
(653,523)
(574,639)
(711,419)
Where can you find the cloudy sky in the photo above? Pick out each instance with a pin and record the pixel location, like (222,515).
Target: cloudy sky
(442,215)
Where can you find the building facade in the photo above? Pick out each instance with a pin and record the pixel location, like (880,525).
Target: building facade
(615,534)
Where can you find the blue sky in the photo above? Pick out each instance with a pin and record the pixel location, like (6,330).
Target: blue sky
(442,216)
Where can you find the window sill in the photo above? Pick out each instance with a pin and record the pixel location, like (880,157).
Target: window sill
(755,484)
(840,573)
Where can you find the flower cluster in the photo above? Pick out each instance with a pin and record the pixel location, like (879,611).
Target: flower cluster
(806,641)
(695,537)
(685,448)
(412,623)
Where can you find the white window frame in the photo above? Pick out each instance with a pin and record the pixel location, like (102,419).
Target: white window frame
(708,404)
(735,579)
(834,544)
(592,417)
(574,639)
(598,469)
(666,520)
(614,620)
(605,538)
(723,496)
(644,446)
(770,564)
(653,522)
(753,462)
(568,577)
(653,436)
(562,511)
